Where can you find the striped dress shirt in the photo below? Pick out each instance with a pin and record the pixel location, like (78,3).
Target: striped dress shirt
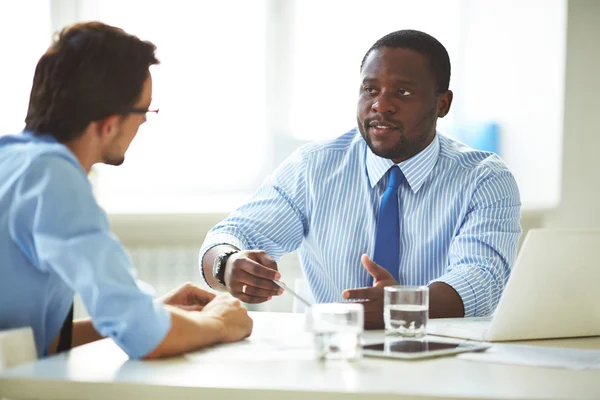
(459,218)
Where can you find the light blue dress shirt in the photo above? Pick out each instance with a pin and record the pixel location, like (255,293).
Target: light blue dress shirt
(459,218)
(54,241)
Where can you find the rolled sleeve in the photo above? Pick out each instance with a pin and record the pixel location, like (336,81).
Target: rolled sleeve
(469,285)
(147,324)
(96,266)
(482,253)
(72,239)
(120,307)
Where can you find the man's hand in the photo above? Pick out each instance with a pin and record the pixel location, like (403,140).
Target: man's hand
(188,297)
(249,276)
(235,324)
(372,297)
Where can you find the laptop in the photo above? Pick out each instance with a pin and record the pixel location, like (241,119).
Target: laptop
(553,292)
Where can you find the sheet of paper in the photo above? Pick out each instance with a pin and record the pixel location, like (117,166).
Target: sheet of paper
(299,347)
(537,356)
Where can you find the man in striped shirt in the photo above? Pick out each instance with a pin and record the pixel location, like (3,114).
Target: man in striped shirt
(458,209)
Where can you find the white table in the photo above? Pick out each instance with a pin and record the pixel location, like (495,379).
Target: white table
(101,370)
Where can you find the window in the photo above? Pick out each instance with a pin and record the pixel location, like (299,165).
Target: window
(209,137)
(244,82)
(213,82)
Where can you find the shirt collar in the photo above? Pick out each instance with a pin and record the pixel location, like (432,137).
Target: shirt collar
(48,138)
(42,137)
(416,169)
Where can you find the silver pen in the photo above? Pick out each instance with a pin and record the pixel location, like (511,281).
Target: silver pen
(296,295)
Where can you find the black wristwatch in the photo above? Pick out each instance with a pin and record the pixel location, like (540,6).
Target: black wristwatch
(219,266)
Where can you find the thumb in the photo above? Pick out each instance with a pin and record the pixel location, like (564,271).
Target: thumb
(377,272)
(197,296)
(265,259)
(190,307)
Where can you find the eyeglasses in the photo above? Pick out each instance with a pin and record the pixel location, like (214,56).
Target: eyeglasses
(142,111)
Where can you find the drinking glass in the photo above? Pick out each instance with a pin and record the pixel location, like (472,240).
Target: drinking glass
(406,310)
(337,330)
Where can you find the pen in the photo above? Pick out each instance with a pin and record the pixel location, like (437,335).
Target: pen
(296,295)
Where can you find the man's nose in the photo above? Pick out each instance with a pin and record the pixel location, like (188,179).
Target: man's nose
(383,105)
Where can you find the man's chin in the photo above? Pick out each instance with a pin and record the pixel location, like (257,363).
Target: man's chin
(114,161)
(385,153)
(384,150)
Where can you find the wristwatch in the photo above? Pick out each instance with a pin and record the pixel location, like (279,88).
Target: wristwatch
(219,266)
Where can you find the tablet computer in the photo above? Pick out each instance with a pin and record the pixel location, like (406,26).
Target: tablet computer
(410,349)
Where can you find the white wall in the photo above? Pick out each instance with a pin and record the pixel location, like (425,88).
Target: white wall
(580,195)
(24,37)
(511,71)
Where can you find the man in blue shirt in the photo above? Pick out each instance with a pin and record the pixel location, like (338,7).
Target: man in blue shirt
(91,91)
(413,206)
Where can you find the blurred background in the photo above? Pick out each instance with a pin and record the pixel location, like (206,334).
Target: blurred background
(242,83)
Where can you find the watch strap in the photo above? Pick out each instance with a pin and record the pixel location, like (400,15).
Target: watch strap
(222,261)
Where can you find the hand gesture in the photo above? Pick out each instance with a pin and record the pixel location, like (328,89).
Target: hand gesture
(372,297)
(249,276)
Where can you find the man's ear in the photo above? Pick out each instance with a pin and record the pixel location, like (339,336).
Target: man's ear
(108,126)
(444,102)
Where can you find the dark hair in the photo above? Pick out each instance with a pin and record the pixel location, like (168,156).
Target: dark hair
(91,71)
(422,43)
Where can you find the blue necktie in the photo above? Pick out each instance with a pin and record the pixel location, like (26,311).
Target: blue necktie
(387,237)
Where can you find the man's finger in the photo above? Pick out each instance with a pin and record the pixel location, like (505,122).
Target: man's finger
(377,272)
(252,280)
(190,308)
(368,293)
(250,299)
(254,268)
(251,290)
(267,260)
(197,295)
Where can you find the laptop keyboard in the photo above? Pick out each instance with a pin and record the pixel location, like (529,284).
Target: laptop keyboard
(473,328)
(473,322)
(479,324)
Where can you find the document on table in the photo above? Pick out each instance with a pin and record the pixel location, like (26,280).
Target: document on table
(537,356)
(259,349)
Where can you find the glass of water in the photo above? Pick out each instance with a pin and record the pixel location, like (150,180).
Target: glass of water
(337,330)
(406,310)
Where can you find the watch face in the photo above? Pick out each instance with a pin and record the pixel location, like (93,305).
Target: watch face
(216,265)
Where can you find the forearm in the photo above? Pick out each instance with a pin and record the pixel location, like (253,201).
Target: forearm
(208,261)
(189,331)
(84,332)
(444,301)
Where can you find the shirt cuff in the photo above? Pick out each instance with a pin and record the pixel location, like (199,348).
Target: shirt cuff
(146,328)
(464,287)
(218,239)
